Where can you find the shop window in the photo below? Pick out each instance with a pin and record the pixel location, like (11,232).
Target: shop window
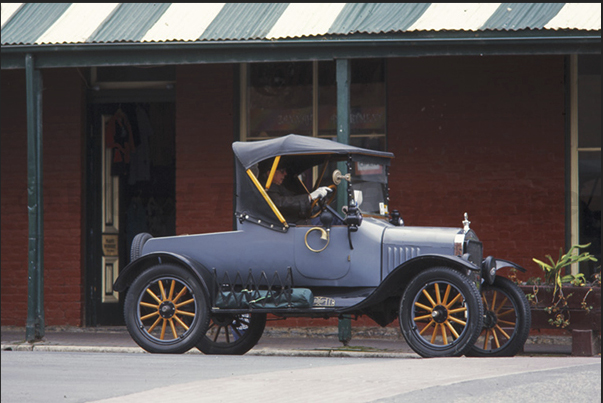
(301,98)
(280,99)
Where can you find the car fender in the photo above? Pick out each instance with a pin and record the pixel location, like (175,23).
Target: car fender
(132,270)
(501,263)
(393,284)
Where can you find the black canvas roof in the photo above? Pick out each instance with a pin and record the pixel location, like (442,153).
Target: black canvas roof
(252,152)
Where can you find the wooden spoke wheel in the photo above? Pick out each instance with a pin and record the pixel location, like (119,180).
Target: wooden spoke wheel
(441,313)
(232,334)
(507,320)
(166,310)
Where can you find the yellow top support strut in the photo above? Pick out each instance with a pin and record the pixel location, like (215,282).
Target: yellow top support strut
(265,195)
(272,171)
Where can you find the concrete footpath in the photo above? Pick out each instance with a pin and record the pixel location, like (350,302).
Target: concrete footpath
(283,341)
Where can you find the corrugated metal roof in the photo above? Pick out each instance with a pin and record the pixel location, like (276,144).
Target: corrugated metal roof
(58,23)
(241,21)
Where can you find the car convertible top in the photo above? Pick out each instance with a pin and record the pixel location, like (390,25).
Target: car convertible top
(251,153)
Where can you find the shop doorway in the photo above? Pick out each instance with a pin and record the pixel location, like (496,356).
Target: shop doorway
(131,176)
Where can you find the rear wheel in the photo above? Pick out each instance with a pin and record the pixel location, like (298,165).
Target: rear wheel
(507,320)
(231,334)
(441,313)
(166,310)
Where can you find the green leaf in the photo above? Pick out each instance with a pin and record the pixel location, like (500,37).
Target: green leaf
(542,264)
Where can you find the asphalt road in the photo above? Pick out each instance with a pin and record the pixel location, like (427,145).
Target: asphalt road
(38,376)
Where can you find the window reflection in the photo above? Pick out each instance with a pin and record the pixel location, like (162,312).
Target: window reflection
(280,99)
(301,98)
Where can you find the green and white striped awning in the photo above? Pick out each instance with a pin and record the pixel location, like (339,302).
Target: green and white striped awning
(94,23)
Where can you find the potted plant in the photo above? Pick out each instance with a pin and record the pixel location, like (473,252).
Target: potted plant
(566,301)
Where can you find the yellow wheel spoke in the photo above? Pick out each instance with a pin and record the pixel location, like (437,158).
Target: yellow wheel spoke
(437,293)
(154,324)
(173,328)
(485,301)
(503,332)
(454,300)
(155,297)
(429,297)
(456,335)
(504,301)
(418,318)
(425,328)
(506,322)
(486,339)
(460,322)
(163,297)
(435,333)
(427,308)
(185,313)
(152,314)
(180,294)
(457,310)
(172,290)
(149,305)
(162,335)
(506,312)
(444,338)
(188,301)
(446,294)
(496,337)
(494,299)
(180,322)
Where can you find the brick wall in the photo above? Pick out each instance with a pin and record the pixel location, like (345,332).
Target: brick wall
(483,135)
(14,227)
(204,161)
(63,142)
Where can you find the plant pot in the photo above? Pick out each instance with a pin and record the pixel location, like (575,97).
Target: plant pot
(584,325)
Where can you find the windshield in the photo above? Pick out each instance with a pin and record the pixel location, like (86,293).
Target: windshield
(268,191)
(369,181)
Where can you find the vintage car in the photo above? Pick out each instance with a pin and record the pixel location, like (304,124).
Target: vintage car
(349,256)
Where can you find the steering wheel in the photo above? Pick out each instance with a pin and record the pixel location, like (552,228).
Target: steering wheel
(323,201)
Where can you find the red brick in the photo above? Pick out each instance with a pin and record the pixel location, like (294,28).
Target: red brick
(63,135)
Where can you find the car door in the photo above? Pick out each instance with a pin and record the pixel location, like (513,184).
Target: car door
(326,258)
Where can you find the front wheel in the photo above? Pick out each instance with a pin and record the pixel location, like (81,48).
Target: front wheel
(231,334)
(441,313)
(166,310)
(507,320)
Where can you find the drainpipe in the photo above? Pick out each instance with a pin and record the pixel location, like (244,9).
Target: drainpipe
(34,329)
(343,136)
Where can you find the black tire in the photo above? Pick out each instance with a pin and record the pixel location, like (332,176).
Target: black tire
(230,334)
(507,320)
(174,317)
(137,244)
(445,324)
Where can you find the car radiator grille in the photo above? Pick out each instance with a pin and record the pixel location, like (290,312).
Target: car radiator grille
(475,249)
